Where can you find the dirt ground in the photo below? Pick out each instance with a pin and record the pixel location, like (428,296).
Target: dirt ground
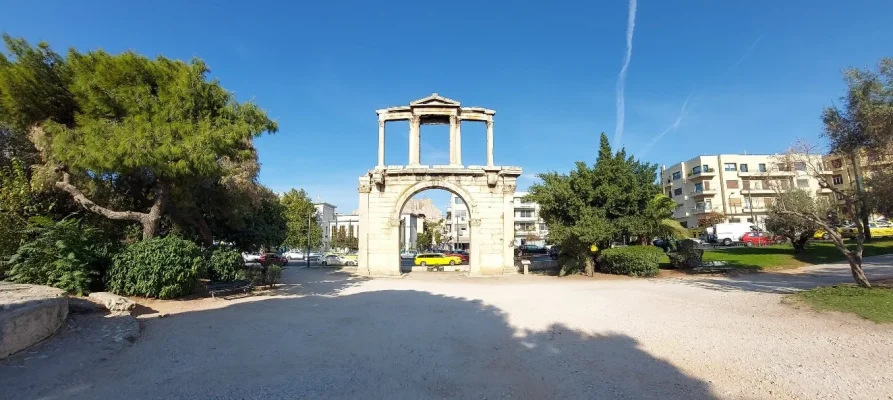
(325,334)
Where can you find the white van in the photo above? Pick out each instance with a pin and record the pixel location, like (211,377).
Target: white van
(732,232)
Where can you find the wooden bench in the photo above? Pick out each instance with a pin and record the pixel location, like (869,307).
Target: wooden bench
(215,288)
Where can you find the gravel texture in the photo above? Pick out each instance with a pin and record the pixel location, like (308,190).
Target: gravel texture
(327,335)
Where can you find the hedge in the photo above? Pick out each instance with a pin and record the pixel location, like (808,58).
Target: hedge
(631,260)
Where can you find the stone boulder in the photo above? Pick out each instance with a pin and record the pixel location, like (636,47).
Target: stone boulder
(113,302)
(29,314)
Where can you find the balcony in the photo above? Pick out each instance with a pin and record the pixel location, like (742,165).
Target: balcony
(758,191)
(669,182)
(766,174)
(824,191)
(680,213)
(703,193)
(754,208)
(525,206)
(702,210)
(531,218)
(705,173)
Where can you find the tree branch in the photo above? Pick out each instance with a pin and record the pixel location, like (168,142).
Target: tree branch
(80,198)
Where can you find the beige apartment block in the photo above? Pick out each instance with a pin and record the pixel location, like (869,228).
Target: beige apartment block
(740,186)
(842,174)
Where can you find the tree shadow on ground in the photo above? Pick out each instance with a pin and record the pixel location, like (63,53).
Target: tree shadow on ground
(377,344)
(876,268)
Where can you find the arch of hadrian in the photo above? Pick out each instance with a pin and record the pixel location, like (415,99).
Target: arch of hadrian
(488,191)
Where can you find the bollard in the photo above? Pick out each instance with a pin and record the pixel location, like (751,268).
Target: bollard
(526,264)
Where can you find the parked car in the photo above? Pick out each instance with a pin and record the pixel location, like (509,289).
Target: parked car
(294,255)
(554,252)
(878,229)
(339,259)
(408,254)
(462,256)
(250,257)
(436,259)
(315,256)
(751,239)
(270,259)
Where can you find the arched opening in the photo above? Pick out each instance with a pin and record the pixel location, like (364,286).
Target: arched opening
(434,231)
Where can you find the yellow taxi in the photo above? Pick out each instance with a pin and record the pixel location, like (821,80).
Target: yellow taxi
(878,229)
(426,259)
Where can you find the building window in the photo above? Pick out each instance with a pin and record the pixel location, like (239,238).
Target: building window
(836,164)
(743,167)
(684,224)
(730,167)
(696,170)
(732,184)
(677,191)
(677,175)
(839,196)
(734,220)
(706,168)
(802,183)
(761,167)
(461,213)
(745,185)
(800,166)
(699,187)
(735,202)
(542,227)
(458,200)
(524,213)
(837,179)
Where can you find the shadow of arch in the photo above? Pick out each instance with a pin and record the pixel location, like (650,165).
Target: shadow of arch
(375,344)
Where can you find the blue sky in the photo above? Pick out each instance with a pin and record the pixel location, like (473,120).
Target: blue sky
(704,77)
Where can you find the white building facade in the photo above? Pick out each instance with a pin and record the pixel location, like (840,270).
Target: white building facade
(530,228)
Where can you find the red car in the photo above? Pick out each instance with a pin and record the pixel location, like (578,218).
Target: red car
(462,256)
(757,239)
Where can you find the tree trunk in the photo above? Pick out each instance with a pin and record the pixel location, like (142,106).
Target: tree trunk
(590,265)
(860,195)
(856,268)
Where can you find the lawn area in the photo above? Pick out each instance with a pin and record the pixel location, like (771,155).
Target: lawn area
(875,304)
(782,256)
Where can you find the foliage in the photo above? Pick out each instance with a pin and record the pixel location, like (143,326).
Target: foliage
(429,235)
(300,215)
(600,204)
(631,260)
(262,275)
(224,264)
(869,303)
(657,219)
(880,185)
(344,240)
(165,268)
(711,218)
(792,226)
(126,130)
(65,254)
(15,206)
(686,255)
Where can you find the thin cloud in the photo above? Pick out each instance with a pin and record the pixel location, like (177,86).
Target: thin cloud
(672,128)
(621,78)
(700,96)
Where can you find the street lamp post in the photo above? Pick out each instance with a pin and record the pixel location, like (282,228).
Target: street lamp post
(307,254)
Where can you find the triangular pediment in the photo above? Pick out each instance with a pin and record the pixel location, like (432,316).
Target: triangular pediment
(435,100)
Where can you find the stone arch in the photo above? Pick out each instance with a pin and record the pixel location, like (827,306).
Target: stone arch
(428,184)
(488,191)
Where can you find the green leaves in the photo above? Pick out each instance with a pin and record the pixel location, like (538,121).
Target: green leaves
(615,197)
(300,215)
(163,268)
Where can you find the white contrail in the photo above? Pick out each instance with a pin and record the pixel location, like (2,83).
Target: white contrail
(672,128)
(621,79)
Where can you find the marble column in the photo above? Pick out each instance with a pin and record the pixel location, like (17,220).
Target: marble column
(456,144)
(414,140)
(381,143)
(489,142)
(454,132)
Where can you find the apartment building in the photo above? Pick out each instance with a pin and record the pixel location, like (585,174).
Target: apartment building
(529,226)
(842,175)
(740,186)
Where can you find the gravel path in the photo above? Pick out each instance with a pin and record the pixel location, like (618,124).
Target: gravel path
(327,335)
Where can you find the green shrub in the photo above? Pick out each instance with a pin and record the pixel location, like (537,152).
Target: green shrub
(163,268)
(686,255)
(261,275)
(631,260)
(224,265)
(66,254)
